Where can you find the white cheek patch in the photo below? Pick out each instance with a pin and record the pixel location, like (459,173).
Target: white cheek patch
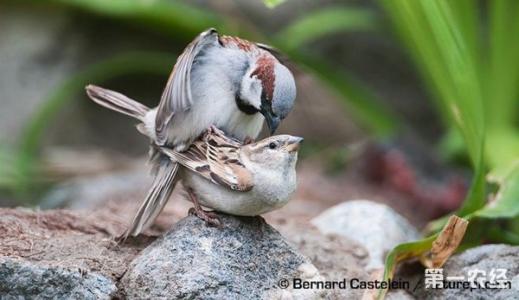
(250,91)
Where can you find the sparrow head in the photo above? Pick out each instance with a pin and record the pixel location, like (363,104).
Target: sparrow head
(276,153)
(268,87)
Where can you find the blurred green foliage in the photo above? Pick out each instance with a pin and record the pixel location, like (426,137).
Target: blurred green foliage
(473,78)
(181,22)
(326,21)
(174,18)
(21,171)
(273,3)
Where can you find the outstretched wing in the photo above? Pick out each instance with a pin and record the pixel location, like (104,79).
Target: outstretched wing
(177,94)
(216,158)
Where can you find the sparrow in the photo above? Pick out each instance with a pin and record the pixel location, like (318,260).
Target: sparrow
(238,179)
(218,80)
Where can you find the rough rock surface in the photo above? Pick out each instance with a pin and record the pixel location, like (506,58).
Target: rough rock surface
(244,259)
(483,258)
(73,252)
(335,257)
(375,226)
(59,254)
(21,279)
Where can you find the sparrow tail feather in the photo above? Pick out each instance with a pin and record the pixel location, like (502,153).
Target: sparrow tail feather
(117,102)
(157,197)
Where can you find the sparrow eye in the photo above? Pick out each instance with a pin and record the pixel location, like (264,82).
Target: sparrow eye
(273,145)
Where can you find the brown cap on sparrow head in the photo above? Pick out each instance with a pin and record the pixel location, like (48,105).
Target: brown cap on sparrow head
(267,87)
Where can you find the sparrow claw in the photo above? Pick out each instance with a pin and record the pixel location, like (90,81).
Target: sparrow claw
(192,212)
(209,217)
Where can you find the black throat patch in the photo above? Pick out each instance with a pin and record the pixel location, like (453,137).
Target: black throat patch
(244,107)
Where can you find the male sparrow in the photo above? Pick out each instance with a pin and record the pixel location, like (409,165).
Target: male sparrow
(244,180)
(223,81)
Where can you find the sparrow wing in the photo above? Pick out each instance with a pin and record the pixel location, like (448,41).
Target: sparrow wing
(216,158)
(157,197)
(177,94)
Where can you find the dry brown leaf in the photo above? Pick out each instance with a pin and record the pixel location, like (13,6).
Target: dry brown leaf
(447,242)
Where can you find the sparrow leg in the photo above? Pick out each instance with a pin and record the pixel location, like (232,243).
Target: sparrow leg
(208,216)
(248,140)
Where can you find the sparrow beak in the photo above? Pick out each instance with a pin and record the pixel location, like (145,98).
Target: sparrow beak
(293,143)
(271,119)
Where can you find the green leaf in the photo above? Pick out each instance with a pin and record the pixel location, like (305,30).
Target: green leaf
(272,3)
(403,252)
(447,63)
(171,17)
(506,202)
(326,21)
(475,93)
(442,40)
(442,43)
(502,74)
(502,146)
(8,171)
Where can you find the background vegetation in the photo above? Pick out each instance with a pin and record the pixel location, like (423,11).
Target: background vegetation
(466,54)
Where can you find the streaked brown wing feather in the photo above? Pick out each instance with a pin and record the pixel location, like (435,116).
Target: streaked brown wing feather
(177,94)
(216,158)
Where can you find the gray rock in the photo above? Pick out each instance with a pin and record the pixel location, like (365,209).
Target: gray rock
(485,258)
(243,260)
(335,257)
(21,279)
(398,295)
(375,226)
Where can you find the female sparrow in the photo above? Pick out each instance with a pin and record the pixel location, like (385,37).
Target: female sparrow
(244,180)
(223,81)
